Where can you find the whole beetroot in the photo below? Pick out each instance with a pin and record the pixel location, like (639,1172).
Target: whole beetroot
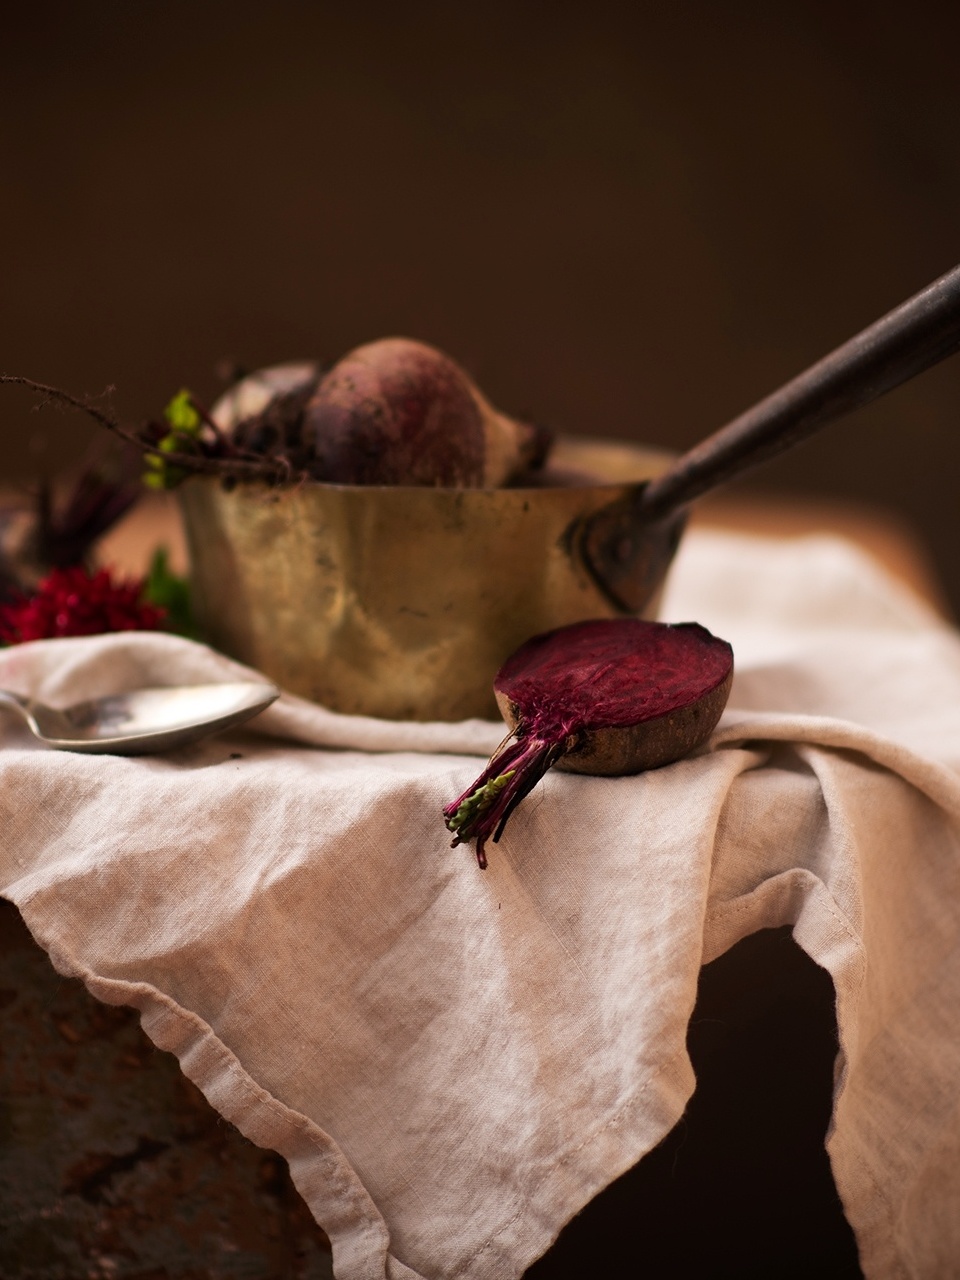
(399,412)
(611,696)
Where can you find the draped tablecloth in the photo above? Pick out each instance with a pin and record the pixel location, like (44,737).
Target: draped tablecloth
(454,1061)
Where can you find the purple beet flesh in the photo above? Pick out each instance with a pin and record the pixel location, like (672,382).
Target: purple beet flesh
(612,696)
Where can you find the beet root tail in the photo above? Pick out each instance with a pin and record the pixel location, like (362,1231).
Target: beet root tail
(482,811)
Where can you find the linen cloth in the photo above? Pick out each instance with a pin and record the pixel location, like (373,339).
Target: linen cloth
(454,1061)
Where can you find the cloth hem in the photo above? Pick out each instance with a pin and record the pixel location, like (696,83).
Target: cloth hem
(258,1115)
(594,1176)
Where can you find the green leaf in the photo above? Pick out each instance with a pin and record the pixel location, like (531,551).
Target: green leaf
(159,473)
(183,437)
(169,591)
(182,415)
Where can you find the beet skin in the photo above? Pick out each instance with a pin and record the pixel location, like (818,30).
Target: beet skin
(400,412)
(395,412)
(612,696)
(392,412)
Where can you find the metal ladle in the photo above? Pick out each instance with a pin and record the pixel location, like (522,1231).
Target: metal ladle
(402,602)
(144,720)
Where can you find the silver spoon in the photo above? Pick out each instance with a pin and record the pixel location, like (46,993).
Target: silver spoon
(144,720)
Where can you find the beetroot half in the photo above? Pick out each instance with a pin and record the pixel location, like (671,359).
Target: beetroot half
(612,696)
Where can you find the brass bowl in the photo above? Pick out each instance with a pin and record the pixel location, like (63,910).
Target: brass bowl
(404,602)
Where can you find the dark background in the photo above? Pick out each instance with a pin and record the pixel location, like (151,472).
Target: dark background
(625,219)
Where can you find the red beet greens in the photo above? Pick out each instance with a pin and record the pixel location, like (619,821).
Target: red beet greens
(612,696)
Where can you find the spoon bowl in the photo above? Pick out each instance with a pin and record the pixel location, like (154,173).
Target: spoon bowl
(144,720)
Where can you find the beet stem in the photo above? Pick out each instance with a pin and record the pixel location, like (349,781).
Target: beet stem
(483,809)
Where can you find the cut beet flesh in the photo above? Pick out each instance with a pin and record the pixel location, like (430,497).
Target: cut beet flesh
(612,696)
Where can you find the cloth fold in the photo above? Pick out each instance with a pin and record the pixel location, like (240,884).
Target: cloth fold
(455,1061)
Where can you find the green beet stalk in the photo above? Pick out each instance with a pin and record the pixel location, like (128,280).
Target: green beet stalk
(482,811)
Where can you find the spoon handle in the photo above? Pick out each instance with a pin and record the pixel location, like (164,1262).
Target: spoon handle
(914,336)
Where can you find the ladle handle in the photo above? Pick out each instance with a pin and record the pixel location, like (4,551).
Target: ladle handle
(914,336)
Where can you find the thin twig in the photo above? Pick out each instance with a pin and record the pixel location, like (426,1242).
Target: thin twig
(273,471)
